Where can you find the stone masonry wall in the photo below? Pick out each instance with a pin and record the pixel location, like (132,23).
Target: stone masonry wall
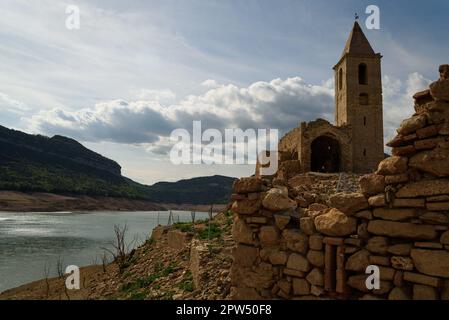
(293,243)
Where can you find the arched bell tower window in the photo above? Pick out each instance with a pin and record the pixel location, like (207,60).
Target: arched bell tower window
(340,79)
(363,74)
(363,99)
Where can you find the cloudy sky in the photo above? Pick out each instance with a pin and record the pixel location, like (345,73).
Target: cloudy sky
(136,70)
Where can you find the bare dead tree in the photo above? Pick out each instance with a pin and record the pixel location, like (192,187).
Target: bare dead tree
(46,276)
(121,250)
(104,261)
(62,277)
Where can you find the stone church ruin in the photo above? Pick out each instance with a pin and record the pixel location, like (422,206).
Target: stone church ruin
(298,238)
(355,143)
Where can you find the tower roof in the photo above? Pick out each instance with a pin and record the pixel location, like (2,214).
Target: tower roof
(357,42)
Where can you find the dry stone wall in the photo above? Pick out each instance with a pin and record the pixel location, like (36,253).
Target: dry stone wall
(294,243)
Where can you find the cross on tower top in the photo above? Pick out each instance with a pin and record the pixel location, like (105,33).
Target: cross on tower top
(356,16)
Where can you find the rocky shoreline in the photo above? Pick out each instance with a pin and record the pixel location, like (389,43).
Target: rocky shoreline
(13,201)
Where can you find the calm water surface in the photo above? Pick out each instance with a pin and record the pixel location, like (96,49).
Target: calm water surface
(30,241)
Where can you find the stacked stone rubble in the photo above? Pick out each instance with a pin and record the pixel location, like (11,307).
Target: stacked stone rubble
(292,244)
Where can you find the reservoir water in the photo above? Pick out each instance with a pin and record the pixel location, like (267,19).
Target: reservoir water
(31,241)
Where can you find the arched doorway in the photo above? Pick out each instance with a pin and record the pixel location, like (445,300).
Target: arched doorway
(325,155)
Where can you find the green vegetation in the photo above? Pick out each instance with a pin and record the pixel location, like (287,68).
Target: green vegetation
(187,283)
(214,231)
(62,165)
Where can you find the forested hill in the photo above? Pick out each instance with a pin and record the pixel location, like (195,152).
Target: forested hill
(63,165)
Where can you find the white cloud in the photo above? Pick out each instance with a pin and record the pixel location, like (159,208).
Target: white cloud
(398,100)
(278,104)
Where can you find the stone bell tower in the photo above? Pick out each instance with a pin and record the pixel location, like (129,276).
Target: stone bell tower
(358,100)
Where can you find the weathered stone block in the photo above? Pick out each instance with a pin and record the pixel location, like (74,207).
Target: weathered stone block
(335,223)
(424,188)
(245,256)
(378,245)
(307,225)
(422,279)
(246,206)
(399,294)
(301,287)
(349,203)
(247,185)
(298,262)
(400,249)
(316,258)
(401,230)
(295,240)
(277,200)
(372,184)
(431,262)
(393,166)
(315,277)
(316,242)
(402,263)
(269,235)
(394,214)
(421,292)
(358,261)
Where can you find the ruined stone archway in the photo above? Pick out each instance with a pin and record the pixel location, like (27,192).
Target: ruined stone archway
(325,155)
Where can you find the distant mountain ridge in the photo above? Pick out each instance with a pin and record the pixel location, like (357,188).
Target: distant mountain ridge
(63,165)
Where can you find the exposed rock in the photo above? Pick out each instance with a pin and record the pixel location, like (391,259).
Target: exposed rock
(242,232)
(315,277)
(412,124)
(434,218)
(245,256)
(316,258)
(378,245)
(301,287)
(394,214)
(438,206)
(400,249)
(247,185)
(178,240)
(316,242)
(307,225)
(372,184)
(348,203)
(246,206)
(421,292)
(399,294)
(358,282)
(393,166)
(424,188)
(269,235)
(278,200)
(435,162)
(296,240)
(244,294)
(445,238)
(300,180)
(377,201)
(422,279)
(431,262)
(358,261)
(282,221)
(440,90)
(402,230)
(365,214)
(409,203)
(298,262)
(335,223)
(402,263)
(278,257)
